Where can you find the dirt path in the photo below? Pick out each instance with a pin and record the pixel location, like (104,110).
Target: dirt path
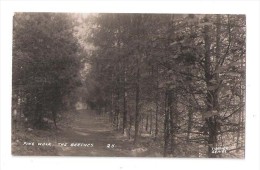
(92,135)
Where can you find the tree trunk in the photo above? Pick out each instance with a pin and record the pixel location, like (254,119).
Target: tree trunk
(117,109)
(111,113)
(137,99)
(138,21)
(157,102)
(147,123)
(125,103)
(211,96)
(173,119)
(130,126)
(116,117)
(166,126)
(151,124)
(240,118)
(190,115)
(169,130)
(54,115)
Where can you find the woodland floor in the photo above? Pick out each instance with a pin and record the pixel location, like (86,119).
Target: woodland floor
(88,134)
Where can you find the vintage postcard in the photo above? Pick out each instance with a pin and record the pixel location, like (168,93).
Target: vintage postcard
(128,85)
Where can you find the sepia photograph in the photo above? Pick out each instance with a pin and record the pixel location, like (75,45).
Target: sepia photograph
(128,85)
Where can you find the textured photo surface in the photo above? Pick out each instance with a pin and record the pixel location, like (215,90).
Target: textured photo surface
(128,85)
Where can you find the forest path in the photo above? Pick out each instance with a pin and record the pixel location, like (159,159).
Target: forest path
(90,135)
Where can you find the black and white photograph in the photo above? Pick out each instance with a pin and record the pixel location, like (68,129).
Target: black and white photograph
(128,85)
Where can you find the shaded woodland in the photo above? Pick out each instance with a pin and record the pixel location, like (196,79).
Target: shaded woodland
(171,81)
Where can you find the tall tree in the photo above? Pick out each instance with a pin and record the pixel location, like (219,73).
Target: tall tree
(182,71)
(45,63)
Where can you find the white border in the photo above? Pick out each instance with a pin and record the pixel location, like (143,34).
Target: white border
(250,8)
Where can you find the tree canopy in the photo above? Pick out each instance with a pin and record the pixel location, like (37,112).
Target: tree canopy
(182,74)
(46,62)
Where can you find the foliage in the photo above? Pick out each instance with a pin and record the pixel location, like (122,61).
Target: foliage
(182,74)
(45,64)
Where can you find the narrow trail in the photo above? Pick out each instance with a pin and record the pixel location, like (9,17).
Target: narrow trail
(92,135)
